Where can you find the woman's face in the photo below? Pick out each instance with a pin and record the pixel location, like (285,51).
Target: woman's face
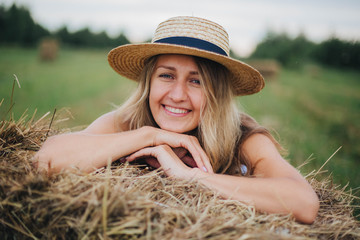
(176,97)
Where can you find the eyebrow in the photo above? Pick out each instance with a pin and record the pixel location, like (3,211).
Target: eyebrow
(174,69)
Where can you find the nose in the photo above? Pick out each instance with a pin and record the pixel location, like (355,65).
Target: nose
(178,92)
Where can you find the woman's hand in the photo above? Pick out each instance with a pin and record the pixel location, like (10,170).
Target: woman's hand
(191,143)
(182,154)
(167,159)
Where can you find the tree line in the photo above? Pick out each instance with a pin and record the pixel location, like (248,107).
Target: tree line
(18,27)
(294,52)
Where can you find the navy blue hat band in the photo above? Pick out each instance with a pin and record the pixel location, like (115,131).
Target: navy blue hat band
(194,43)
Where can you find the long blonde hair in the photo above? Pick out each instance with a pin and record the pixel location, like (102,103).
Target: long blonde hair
(220,128)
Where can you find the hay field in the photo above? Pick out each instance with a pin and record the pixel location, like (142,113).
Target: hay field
(314,110)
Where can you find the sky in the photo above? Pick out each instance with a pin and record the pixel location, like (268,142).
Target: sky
(247,22)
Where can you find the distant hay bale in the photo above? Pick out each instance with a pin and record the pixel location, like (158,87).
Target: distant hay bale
(131,202)
(269,68)
(313,71)
(48,49)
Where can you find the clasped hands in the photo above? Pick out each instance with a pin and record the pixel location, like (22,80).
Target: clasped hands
(180,155)
(176,162)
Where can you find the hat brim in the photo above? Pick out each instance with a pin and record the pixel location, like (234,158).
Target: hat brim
(128,60)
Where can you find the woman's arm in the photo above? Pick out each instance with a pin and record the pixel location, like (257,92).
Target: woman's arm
(103,141)
(272,195)
(276,187)
(91,148)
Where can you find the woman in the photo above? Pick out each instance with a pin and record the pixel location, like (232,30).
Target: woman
(183,118)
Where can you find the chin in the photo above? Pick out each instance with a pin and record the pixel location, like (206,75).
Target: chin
(176,129)
(188,131)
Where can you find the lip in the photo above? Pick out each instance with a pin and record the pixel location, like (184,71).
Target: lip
(175,111)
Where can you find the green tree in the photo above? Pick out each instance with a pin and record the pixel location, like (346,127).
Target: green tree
(85,38)
(63,34)
(3,20)
(17,26)
(82,37)
(337,53)
(121,39)
(289,52)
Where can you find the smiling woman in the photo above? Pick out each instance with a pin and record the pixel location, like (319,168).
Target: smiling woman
(183,118)
(176,97)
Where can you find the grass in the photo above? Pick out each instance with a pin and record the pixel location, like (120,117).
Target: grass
(79,79)
(315,110)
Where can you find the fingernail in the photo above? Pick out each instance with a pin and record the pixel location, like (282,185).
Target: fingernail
(204,168)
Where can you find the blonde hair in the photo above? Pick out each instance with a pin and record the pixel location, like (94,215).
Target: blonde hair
(220,128)
(135,112)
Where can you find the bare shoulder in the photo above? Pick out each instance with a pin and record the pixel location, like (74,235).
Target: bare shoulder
(266,159)
(105,124)
(259,145)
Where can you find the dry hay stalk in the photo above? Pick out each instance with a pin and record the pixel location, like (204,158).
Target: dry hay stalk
(124,201)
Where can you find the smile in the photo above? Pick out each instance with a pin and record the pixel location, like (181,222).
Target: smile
(176,110)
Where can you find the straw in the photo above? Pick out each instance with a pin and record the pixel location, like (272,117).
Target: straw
(123,201)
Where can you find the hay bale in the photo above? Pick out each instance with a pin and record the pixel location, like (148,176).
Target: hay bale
(48,49)
(269,68)
(131,202)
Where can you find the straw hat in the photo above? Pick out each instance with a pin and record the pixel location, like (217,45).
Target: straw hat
(191,36)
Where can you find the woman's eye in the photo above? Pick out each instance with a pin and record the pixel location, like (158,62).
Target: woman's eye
(164,75)
(195,81)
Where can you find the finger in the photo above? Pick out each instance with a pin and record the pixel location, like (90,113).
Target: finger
(185,141)
(204,157)
(200,157)
(141,153)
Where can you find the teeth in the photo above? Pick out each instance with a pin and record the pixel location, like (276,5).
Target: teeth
(176,110)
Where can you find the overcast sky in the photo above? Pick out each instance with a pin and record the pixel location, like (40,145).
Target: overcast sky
(246,21)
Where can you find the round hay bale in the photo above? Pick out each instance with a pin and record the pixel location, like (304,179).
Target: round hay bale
(48,49)
(269,68)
